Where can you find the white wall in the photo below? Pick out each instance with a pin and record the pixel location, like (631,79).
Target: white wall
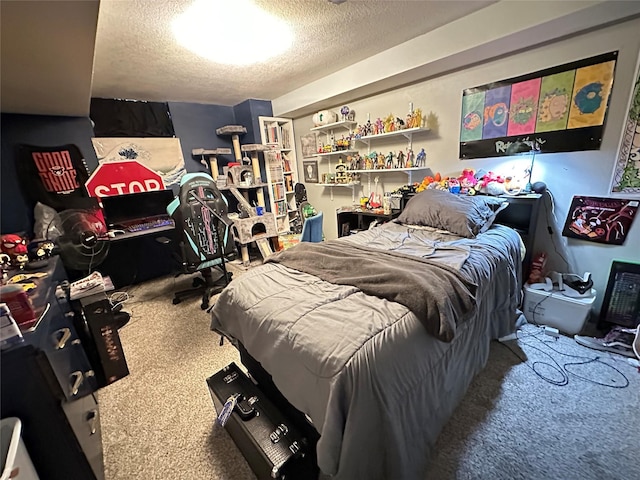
(566,174)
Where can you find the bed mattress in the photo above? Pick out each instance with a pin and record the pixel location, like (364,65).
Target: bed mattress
(377,387)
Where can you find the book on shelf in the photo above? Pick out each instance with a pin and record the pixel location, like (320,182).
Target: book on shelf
(287,164)
(286,138)
(272,133)
(278,191)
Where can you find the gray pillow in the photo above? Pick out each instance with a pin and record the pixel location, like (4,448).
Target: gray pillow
(462,215)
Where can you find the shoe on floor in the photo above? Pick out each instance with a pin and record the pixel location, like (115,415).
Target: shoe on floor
(618,340)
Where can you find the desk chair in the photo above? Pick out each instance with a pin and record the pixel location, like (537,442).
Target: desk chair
(200,213)
(312,229)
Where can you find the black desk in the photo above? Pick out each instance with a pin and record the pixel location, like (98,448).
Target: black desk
(140,256)
(350,221)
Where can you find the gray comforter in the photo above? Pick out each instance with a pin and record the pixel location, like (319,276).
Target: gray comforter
(377,387)
(437,294)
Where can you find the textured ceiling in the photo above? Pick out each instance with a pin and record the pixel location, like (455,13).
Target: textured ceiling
(136,56)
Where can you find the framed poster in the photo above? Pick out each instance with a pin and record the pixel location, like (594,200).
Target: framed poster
(563,109)
(626,176)
(309,144)
(162,155)
(602,220)
(310,170)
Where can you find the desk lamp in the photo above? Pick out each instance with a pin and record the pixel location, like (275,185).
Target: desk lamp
(528,148)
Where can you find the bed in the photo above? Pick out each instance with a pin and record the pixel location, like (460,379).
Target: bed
(379,372)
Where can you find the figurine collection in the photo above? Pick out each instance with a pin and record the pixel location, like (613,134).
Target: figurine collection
(374,160)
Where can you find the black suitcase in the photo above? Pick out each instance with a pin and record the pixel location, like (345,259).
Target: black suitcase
(272,445)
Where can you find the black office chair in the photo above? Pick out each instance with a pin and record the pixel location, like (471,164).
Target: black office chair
(200,214)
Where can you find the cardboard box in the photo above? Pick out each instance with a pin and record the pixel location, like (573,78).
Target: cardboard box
(555,309)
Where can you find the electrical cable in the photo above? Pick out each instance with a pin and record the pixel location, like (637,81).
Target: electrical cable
(535,307)
(565,369)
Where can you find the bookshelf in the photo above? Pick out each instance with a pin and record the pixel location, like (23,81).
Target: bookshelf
(281,169)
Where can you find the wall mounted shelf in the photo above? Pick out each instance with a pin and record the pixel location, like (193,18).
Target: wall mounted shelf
(407,133)
(337,152)
(351,185)
(346,124)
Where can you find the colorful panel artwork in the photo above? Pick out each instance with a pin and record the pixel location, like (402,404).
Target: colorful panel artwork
(626,178)
(524,106)
(496,112)
(563,108)
(591,91)
(472,114)
(555,100)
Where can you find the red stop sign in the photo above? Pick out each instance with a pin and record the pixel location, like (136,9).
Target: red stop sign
(121,177)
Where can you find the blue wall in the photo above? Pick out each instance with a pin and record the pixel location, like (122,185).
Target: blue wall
(195,125)
(247,114)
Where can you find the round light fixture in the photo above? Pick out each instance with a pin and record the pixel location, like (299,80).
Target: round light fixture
(232,32)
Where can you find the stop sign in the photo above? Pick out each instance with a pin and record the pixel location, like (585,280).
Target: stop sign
(118,178)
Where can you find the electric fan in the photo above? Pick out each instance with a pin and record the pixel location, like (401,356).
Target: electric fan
(81,238)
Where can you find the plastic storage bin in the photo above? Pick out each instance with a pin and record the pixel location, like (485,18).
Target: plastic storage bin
(16,463)
(554,309)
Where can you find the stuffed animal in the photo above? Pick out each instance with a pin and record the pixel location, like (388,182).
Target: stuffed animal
(427,181)
(491,184)
(467,182)
(13,245)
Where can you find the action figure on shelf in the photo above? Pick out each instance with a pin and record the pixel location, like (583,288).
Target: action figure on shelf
(379,126)
(421,158)
(345,112)
(411,158)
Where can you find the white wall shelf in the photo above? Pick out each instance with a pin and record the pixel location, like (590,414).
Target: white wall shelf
(407,133)
(351,185)
(346,124)
(337,152)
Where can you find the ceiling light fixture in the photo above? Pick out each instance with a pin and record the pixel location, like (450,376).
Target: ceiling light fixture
(233,32)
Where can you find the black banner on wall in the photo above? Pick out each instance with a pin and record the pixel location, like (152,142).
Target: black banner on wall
(562,109)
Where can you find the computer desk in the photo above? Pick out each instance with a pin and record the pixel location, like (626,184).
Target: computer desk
(136,257)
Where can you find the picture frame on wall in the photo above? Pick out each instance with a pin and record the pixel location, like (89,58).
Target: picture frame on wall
(626,175)
(310,171)
(309,144)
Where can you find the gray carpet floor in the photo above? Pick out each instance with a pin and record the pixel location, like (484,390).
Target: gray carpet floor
(159,422)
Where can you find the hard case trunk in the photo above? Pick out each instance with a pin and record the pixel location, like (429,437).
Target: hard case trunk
(270,442)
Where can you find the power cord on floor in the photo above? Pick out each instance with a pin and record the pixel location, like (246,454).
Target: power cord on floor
(564,369)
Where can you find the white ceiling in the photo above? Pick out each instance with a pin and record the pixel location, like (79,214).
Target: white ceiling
(49,67)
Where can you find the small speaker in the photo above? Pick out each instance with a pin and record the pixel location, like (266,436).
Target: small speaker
(539,187)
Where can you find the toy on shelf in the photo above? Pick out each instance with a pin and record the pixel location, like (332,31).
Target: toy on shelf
(421,158)
(341,172)
(324,117)
(390,123)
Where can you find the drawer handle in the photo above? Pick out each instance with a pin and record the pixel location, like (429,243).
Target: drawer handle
(61,337)
(92,418)
(76,380)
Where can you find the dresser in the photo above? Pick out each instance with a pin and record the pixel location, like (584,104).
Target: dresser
(49,382)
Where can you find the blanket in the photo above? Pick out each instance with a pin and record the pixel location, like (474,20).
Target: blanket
(438,295)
